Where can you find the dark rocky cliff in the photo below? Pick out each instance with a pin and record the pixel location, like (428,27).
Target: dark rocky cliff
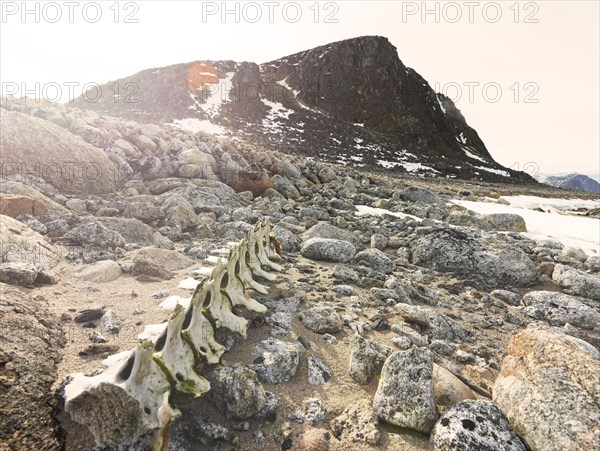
(351,102)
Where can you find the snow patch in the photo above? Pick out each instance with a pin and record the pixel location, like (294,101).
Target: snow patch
(576,231)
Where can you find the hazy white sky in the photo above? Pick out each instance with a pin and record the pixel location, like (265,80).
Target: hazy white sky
(525,74)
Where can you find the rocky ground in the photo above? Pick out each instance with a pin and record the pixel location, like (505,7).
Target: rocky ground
(427,327)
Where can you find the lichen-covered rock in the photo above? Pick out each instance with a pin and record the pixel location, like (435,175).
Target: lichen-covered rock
(376,259)
(96,234)
(328,250)
(30,342)
(322,320)
(366,359)
(236,391)
(416,194)
(404,396)
(505,222)
(318,372)
(357,423)
(495,262)
(276,361)
(326,230)
(559,309)
(549,389)
(577,282)
(475,425)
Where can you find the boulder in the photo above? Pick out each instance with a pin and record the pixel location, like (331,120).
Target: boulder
(322,320)
(100,272)
(559,309)
(448,389)
(376,259)
(325,230)
(357,424)
(577,282)
(20,244)
(14,205)
(475,425)
(404,396)
(31,338)
(328,250)
(276,361)
(415,194)
(53,154)
(236,391)
(549,389)
(168,260)
(366,359)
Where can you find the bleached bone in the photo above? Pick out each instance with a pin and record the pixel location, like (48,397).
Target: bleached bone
(233,287)
(245,274)
(131,397)
(199,331)
(177,359)
(262,240)
(252,258)
(217,307)
(117,405)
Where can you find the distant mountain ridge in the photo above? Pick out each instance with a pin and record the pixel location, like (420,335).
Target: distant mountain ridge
(351,102)
(574,181)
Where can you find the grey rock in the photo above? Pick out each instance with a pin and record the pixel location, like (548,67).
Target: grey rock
(314,411)
(236,391)
(18,273)
(437,325)
(285,187)
(379,241)
(77,205)
(574,253)
(96,234)
(111,322)
(343,290)
(322,320)
(276,361)
(414,194)
(143,211)
(318,372)
(328,250)
(132,230)
(290,242)
(475,425)
(577,282)
(505,222)
(506,296)
(497,263)
(57,228)
(404,396)
(366,359)
(559,309)
(376,259)
(100,272)
(325,230)
(345,274)
(357,424)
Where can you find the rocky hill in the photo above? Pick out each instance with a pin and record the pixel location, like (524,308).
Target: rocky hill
(351,102)
(573,182)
